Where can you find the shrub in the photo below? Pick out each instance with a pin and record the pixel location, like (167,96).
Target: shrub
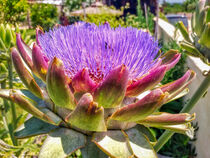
(44,15)
(73,4)
(13,11)
(173,8)
(190,5)
(114,21)
(139,21)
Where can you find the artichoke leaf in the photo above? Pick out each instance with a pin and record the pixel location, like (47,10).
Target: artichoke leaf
(32,127)
(91,150)
(62,142)
(113,143)
(139,144)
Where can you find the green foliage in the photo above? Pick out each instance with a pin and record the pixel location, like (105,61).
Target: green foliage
(187,6)
(73,4)
(114,21)
(27,148)
(140,21)
(44,15)
(190,5)
(13,11)
(179,146)
(173,8)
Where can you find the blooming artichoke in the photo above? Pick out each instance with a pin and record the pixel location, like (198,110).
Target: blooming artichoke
(96,89)
(197,43)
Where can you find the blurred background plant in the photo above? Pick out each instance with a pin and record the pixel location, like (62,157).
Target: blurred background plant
(140,20)
(11,116)
(197,43)
(13,11)
(173,8)
(187,6)
(74,4)
(44,15)
(114,21)
(190,5)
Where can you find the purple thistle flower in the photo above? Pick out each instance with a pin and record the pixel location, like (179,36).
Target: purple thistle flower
(100,49)
(91,77)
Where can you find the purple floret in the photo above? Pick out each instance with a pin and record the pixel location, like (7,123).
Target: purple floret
(100,49)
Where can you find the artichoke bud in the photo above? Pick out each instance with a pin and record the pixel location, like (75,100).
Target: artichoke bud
(205,36)
(111,92)
(96,98)
(58,85)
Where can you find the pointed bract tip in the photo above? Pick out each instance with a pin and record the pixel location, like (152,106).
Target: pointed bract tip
(56,61)
(82,82)
(111,91)
(39,62)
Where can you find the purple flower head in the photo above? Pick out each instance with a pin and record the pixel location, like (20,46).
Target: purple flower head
(91,77)
(100,49)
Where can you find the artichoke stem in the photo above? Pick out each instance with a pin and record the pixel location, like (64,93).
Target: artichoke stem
(195,98)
